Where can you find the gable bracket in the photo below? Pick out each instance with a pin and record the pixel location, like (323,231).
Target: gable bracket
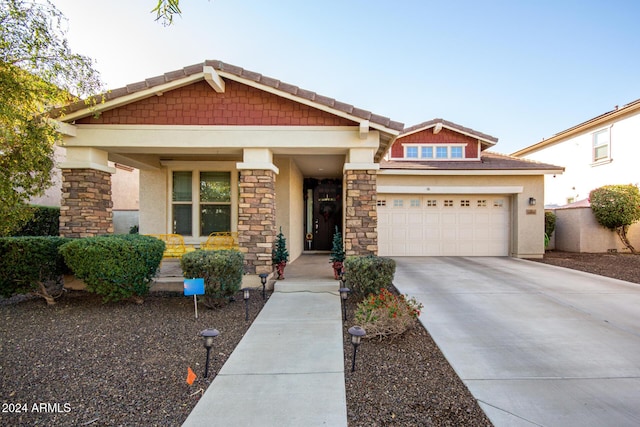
(213,78)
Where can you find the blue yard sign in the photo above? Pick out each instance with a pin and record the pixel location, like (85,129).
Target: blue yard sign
(194,287)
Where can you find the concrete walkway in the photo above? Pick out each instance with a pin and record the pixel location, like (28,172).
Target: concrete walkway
(536,345)
(288,370)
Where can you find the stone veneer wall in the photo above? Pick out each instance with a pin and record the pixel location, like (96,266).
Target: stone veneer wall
(86,206)
(257,219)
(361,224)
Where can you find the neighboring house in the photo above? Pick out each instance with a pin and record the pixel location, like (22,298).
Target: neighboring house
(601,151)
(220,148)
(124,193)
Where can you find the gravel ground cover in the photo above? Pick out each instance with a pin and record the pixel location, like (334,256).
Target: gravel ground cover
(82,362)
(405,381)
(621,266)
(85,363)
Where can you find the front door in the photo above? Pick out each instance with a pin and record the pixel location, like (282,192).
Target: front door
(324,212)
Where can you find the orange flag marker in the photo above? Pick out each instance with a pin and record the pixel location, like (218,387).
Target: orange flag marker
(191,376)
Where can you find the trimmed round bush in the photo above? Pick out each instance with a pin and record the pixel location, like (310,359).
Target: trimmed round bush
(116,267)
(221,270)
(368,274)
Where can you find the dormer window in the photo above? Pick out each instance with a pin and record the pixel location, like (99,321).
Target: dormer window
(434,151)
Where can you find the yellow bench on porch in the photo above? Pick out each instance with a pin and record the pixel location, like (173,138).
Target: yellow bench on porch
(221,240)
(174,245)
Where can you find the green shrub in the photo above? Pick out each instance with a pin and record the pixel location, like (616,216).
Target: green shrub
(387,314)
(44,222)
(617,207)
(221,270)
(368,274)
(116,267)
(31,265)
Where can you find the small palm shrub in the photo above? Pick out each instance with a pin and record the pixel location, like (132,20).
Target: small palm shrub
(221,270)
(386,314)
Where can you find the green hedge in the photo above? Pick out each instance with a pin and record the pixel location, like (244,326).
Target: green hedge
(116,267)
(222,272)
(368,274)
(45,222)
(31,265)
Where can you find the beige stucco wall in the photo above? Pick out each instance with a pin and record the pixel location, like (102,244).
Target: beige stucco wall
(290,205)
(582,175)
(153,201)
(578,231)
(527,222)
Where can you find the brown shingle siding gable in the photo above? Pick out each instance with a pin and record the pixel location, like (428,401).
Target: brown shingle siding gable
(197,104)
(241,73)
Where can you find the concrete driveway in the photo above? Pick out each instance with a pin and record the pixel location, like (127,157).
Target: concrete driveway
(537,345)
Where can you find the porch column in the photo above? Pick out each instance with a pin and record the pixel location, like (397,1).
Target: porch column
(361,219)
(257,210)
(86,204)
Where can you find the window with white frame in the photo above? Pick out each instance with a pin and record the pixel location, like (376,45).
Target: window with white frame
(415,203)
(434,151)
(601,145)
(201,196)
(398,203)
(426,152)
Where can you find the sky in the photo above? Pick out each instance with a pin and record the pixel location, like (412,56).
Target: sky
(518,70)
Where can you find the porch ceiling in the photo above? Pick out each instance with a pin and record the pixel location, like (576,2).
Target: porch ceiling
(320,166)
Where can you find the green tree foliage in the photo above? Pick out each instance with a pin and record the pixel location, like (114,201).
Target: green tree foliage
(616,207)
(38,71)
(337,251)
(280,252)
(165,10)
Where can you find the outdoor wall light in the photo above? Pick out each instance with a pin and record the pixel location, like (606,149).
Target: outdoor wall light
(356,333)
(245,296)
(344,294)
(532,201)
(208,335)
(343,279)
(263,280)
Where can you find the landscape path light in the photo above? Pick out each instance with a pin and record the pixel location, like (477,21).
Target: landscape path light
(245,296)
(356,333)
(344,294)
(208,335)
(263,280)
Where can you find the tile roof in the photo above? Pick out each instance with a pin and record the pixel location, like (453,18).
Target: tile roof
(242,73)
(596,121)
(450,125)
(488,161)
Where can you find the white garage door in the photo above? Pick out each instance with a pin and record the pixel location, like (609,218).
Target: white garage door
(443,225)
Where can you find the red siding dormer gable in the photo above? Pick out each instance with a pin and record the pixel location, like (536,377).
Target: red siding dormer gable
(445,136)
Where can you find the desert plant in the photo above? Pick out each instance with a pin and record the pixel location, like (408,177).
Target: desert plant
(386,314)
(116,267)
(32,265)
(368,274)
(221,270)
(616,207)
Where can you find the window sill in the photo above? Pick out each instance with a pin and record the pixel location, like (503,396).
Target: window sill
(601,162)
